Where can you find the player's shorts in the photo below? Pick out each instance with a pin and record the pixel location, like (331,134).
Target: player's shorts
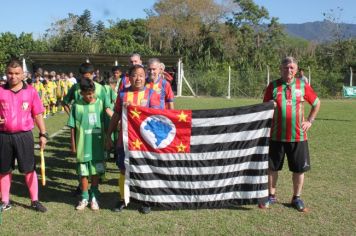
(90,168)
(297,155)
(120,158)
(18,146)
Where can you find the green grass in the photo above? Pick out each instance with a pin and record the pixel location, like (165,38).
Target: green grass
(328,192)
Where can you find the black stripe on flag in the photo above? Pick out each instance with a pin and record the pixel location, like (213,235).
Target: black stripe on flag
(230,203)
(197,178)
(225,129)
(232,111)
(238,145)
(200,191)
(198,163)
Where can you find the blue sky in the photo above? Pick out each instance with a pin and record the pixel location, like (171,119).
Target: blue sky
(36,16)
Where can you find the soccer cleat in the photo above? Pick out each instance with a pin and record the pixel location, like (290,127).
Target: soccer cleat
(267,204)
(37,206)
(94,205)
(120,205)
(5,206)
(298,204)
(82,205)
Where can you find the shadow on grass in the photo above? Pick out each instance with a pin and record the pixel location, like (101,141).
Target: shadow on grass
(328,119)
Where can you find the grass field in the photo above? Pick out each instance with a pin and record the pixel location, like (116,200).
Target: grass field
(328,192)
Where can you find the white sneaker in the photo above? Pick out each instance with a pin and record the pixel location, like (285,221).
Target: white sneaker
(82,205)
(94,205)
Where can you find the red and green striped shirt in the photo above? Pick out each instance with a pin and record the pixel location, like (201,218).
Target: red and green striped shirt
(289,112)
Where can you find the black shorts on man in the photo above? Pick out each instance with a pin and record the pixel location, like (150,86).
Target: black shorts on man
(297,155)
(18,146)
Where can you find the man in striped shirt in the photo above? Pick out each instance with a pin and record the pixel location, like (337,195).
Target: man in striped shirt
(289,129)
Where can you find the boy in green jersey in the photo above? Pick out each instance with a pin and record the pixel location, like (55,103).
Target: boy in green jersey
(86,121)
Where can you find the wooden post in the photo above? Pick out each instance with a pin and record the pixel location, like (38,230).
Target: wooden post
(309,73)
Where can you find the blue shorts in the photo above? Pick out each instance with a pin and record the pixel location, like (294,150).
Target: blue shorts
(120,158)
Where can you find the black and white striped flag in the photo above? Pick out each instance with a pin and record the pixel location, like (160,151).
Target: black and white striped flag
(197,158)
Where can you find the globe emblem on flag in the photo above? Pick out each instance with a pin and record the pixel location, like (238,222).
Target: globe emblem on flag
(158,131)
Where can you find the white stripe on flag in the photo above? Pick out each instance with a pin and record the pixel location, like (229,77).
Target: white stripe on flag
(200,184)
(201,156)
(230,137)
(199,170)
(231,120)
(201,198)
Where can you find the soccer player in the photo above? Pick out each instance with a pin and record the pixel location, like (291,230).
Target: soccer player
(289,130)
(86,121)
(159,84)
(87,72)
(136,95)
(52,91)
(37,84)
(20,108)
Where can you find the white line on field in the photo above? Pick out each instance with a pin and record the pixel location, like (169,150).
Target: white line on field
(59,132)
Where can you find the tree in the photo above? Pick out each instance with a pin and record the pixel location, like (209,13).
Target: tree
(182,27)
(12,46)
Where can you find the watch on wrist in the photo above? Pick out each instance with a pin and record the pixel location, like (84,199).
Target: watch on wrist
(44,135)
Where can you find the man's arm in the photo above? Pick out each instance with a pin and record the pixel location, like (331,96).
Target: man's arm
(312,115)
(42,128)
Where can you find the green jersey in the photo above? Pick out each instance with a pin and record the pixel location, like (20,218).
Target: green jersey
(112,95)
(74,94)
(88,121)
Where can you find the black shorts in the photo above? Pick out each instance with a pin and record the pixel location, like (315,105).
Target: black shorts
(297,155)
(20,146)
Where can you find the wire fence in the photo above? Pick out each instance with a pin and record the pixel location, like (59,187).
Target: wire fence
(251,83)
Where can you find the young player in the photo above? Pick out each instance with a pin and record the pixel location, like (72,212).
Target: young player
(86,121)
(87,73)
(46,98)
(137,95)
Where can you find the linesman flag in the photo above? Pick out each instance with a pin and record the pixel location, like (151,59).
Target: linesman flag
(197,158)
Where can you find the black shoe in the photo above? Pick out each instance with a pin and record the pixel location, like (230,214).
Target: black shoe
(37,206)
(5,206)
(120,205)
(145,209)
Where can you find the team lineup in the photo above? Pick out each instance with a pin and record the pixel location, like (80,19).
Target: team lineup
(95,120)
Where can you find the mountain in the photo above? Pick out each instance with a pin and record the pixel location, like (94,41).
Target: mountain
(321,31)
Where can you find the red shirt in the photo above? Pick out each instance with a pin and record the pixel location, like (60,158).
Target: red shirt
(164,90)
(289,112)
